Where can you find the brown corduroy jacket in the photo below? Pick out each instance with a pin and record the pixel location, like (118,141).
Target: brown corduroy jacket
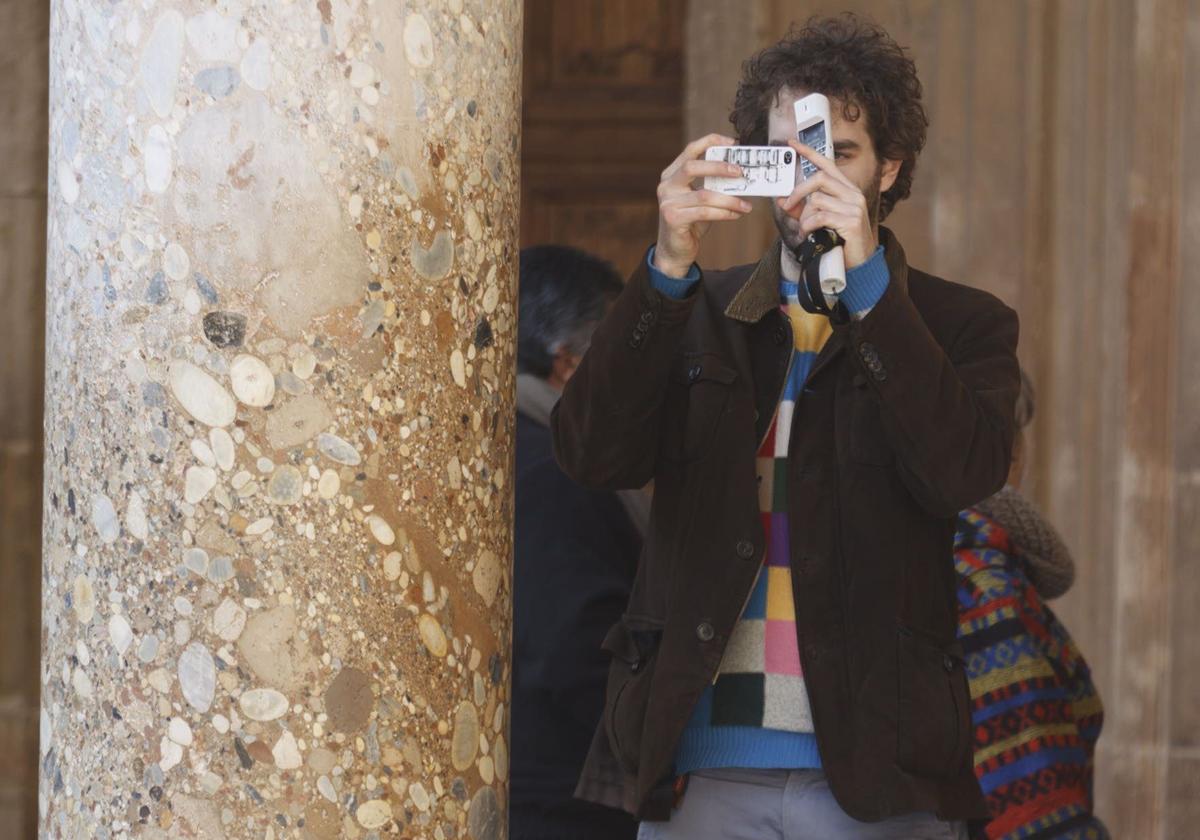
(906,419)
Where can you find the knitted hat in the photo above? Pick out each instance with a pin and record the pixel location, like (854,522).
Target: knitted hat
(1046,558)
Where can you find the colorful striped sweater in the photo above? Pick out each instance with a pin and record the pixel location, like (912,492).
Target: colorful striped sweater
(756,714)
(1036,713)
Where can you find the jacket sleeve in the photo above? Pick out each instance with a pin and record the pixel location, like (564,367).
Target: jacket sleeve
(948,414)
(606,425)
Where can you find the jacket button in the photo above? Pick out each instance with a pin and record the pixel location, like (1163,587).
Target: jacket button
(780,335)
(704,632)
(745,549)
(636,666)
(867,350)
(694,373)
(948,664)
(814,652)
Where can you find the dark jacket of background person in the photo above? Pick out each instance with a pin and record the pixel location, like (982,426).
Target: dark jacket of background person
(907,419)
(576,553)
(1036,713)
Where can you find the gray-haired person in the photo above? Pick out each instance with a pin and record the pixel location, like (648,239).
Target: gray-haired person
(576,553)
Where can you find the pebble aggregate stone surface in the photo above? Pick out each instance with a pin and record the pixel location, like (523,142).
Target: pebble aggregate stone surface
(280,354)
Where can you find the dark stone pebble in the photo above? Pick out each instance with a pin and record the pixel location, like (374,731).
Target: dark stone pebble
(225,329)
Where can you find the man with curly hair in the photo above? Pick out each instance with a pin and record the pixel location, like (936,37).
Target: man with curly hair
(787,664)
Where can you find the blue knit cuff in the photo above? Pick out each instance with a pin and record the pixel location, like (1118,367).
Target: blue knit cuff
(866,283)
(673,287)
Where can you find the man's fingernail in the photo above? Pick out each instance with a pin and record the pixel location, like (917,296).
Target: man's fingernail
(745,205)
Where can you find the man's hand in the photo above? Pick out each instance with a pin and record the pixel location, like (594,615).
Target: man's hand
(685,212)
(834,202)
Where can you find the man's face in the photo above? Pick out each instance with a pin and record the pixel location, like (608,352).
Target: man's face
(853,151)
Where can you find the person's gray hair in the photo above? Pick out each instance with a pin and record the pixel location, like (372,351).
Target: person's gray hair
(564,294)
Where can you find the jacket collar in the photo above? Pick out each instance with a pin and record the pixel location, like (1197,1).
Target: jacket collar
(760,293)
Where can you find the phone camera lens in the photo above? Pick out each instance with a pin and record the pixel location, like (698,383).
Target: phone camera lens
(787,157)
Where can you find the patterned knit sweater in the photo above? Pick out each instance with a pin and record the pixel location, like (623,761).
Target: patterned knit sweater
(1035,711)
(756,714)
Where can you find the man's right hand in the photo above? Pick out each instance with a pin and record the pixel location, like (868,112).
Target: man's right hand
(685,210)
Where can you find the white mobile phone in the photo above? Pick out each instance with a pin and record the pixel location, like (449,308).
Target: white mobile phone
(766,170)
(812,129)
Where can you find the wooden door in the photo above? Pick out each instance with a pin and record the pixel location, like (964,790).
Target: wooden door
(603,115)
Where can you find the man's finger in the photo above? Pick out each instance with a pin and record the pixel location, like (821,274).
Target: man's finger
(693,169)
(700,213)
(696,149)
(826,165)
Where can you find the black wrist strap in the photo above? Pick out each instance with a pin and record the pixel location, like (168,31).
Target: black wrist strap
(809,254)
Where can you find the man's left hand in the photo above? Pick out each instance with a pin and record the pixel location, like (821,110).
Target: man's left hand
(834,202)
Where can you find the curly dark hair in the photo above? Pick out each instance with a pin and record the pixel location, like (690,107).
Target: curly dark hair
(855,62)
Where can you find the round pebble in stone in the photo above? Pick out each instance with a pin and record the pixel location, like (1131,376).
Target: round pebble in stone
(179,731)
(83,599)
(349,700)
(487,770)
(229,620)
(203,452)
(304,365)
(435,262)
(197,676)
(418,41)
(196,560)
(253,382)
(148,649)
(68,182)
(432,635)
(500,756)
(286,752)
(170,752)
(220,570)
(466,736)
(328,485)
(201,396)
(289,382)
(286,485)
(120,633)
(135,517)
(380,530)
(175,261)
(218,82)
(225,329)
(486,577)
(263,704)
(157,159)
(104,518)
(458,368)
(391,565)
(334,448)
(374,814)
(198,481)
(483,819)
(491,297)
(419,795)
(222,447)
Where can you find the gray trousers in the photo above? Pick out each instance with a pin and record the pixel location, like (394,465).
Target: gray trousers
(780,805)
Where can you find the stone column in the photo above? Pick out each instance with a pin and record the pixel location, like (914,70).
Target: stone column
(281,320)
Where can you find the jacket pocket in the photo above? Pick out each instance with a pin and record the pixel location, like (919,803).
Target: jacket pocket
(698,391)
(933,724)
(633,643)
